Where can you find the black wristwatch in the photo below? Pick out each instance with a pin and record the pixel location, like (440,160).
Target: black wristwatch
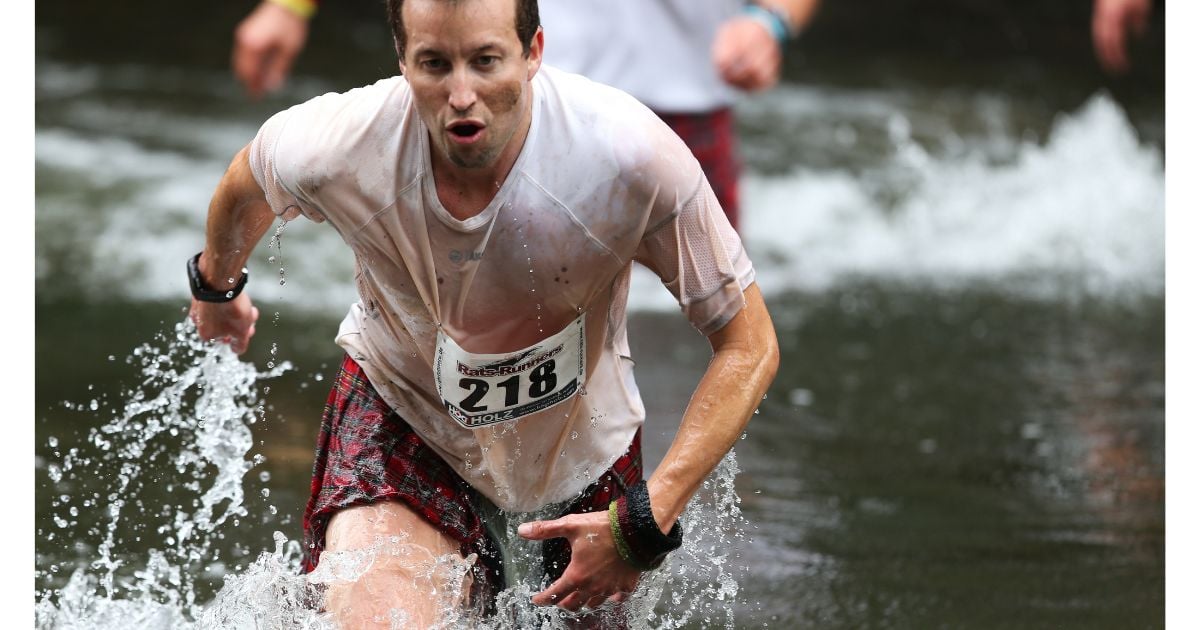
(202,292)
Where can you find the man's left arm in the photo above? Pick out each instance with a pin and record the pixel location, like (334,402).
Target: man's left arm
(748,49)
(745,359)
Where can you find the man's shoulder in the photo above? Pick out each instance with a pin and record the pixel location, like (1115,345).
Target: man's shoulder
(337,142)
(362,104)
(337,125)
(581,96)
(600,121)
(606,157)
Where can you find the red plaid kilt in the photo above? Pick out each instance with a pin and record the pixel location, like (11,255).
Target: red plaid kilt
(713,140)
(366,453)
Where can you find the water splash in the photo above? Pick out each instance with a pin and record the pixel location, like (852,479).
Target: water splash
(184,430)
(698,585)
(209,403)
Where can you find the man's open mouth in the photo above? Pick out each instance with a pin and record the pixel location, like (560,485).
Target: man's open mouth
(465,130)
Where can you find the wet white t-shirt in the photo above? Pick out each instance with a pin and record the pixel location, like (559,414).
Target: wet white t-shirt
(501,339)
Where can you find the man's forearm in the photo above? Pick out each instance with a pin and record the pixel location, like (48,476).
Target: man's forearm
(238,217)
(745,359)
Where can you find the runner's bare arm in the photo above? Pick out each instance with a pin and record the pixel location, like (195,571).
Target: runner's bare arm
(745,358)
(238,217)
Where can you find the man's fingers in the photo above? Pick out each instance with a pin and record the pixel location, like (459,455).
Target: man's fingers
(542,530)
(243,68)
(242,343)
(279,65)
(563,588)
(1112,50)
(724,54)
(554,594)
(573,601)
(250,57)
(747,57)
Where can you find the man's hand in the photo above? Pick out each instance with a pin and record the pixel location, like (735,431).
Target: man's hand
(1112,21)
(746,54)
(264,46)
(597,572)
(229,322)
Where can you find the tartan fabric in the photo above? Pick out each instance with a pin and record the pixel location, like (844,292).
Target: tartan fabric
(713,140)
(366,453)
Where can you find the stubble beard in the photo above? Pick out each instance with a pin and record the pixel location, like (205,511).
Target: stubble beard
(479,160)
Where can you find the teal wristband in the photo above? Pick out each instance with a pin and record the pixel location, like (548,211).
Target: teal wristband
(772,18)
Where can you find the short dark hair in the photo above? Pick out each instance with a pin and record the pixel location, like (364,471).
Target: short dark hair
(527,23)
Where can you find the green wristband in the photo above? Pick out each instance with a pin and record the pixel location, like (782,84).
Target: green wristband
(622,547)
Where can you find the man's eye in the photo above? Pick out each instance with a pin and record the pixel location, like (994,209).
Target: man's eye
(488,60)
(433,64)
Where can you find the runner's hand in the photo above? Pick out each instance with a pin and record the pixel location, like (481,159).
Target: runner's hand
(264,46)
(746,55)
(596,574)
(228,322)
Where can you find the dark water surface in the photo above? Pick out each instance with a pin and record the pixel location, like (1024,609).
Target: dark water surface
(961,438)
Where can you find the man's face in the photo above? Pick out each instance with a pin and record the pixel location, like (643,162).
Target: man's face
(469,76)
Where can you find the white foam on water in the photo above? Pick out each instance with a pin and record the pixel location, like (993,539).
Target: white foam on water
(1088,204)
(136,244)
(1089,201)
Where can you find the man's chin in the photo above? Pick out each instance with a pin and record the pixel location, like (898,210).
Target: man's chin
(473,160)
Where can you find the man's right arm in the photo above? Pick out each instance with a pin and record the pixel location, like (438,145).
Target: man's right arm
(238,217)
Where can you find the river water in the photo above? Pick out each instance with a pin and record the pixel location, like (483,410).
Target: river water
(961,244)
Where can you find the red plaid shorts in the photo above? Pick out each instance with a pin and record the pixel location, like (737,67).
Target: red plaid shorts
(366,453)
(713,140)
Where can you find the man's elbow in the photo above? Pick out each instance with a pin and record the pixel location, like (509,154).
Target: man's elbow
(768,358)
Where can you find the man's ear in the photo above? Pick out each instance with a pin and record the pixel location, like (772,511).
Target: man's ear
(534,59)
(399,54)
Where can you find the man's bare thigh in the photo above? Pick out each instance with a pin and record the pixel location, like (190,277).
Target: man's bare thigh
(385,564)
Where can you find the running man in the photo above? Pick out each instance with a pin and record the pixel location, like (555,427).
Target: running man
(495,207)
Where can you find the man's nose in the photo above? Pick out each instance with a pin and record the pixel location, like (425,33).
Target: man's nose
(462,93)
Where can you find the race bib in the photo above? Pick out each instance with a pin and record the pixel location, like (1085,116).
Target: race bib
(483,389)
